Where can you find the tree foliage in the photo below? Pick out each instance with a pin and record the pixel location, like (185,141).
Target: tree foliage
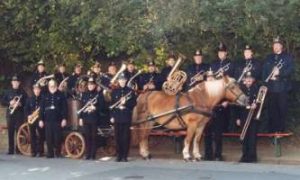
(83,30)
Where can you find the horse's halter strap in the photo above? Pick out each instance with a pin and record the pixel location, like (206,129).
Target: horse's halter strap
(229,86)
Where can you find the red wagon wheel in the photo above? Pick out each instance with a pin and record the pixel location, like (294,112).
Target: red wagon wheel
(23,139)
(75,145)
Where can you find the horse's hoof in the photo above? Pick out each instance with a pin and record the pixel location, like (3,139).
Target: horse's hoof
(149,157)
(197,159)
(187,159)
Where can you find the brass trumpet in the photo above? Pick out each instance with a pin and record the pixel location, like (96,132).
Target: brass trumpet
(222,70)
(34,116)
(89,106)
(279,65)
(197,77)
(14,106)
(118,104)
(43,81)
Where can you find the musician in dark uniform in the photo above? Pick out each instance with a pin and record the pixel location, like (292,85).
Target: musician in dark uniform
(130,72)
(279,84)
(197,67)
(53,118)
(111,72)
(250,88)
(150,80)
(14,98)
(249,63)
(37,140)
(121,117)
(61,75)
(170,62)
(95,70)
(74,78)
(90,116)
(39,73)
(221,113)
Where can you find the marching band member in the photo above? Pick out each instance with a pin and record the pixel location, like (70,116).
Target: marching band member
(74,78)
(53,115)
(170,62)
(221,116)
(111,72)
(130,72)
(14,99)
(279,66)
(197,67)
(61,73)
(90,116)
(250,88)
(95,70)
(39,73)
(150,80)
(37,141)
(249,63)
(121,117)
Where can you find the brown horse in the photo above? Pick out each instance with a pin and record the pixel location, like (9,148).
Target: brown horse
(203,97)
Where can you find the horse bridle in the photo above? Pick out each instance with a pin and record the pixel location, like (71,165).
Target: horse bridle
(229,86)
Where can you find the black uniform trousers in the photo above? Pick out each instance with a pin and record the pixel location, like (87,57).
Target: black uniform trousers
(277,110)
(249,143)
(53,132)
(14,122)
(90,132)
(37,136)
(122,136)
(214,133)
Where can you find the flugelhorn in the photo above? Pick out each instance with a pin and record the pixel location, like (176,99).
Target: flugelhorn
(34,116)
(119,104)
(14,106)
(247,68)
(279,65)
(123,68)
(88,107)
(43,81)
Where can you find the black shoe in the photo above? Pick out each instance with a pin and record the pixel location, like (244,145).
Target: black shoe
(40,155)
(93,157)
(50,156)
(118,159)
(219,158)
(124,160)
(87,157)
(207,158)
(10,153)
(33,154)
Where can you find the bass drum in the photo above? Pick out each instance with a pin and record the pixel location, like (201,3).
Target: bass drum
(73,107)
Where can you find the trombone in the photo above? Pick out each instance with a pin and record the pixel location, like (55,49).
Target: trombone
(12,108)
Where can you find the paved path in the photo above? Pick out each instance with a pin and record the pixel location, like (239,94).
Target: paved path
(25,168)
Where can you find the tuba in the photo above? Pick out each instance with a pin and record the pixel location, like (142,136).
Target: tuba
(175,79)
(43,81)
(34,116)
(13,107)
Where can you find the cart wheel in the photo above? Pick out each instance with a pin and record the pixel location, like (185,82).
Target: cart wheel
(110,148)
(23,139)
(75,145)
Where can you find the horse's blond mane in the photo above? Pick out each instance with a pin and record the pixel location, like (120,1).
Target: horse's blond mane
(214,88)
